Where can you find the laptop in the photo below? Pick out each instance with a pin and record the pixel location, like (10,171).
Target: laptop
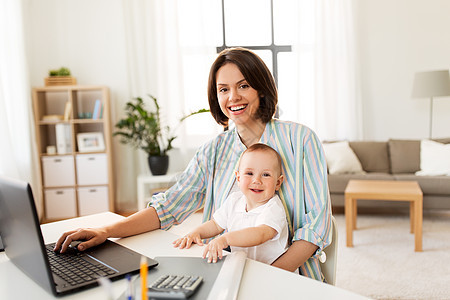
(24,245)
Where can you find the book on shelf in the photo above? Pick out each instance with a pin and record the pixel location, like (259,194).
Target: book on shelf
(67,110)
(97,108)
(63,138)
(52,118)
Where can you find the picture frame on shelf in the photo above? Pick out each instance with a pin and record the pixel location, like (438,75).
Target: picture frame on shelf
(90,142)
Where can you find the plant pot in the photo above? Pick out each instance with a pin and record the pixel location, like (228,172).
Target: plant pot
(158,164)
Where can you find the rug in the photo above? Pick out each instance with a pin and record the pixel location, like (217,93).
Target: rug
(383,264)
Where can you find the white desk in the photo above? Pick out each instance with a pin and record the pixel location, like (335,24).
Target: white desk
(259,281)
(148,181)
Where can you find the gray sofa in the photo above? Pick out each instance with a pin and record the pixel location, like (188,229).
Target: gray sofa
(392,160)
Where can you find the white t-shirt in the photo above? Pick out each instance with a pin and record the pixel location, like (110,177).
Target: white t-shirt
(232,216)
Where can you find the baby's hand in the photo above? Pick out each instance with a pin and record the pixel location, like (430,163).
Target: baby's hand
(214,249)
(188,240)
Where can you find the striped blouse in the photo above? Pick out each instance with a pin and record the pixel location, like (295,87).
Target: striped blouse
(209,177)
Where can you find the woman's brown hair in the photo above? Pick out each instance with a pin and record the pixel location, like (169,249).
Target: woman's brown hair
(257,76)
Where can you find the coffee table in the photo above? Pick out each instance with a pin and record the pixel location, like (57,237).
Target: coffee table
(384,190)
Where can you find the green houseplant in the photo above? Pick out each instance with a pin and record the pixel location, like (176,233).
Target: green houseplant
(61,76)
(142,129)
(63,71)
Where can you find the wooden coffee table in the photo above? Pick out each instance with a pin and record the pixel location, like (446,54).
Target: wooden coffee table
(384,190)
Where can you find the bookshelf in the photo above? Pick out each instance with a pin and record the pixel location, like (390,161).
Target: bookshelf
(75,150)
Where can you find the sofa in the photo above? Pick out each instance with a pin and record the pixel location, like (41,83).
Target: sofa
(424,161)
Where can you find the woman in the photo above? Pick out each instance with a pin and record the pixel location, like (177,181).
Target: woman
(241,89)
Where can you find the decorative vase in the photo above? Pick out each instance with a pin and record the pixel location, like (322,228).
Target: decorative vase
(158,164)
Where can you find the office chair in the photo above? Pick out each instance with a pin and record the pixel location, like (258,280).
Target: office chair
(329,266)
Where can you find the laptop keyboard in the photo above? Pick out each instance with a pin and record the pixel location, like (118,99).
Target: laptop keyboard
(76,269)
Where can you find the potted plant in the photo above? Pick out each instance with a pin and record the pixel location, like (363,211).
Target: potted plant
(61,76)
(142,129)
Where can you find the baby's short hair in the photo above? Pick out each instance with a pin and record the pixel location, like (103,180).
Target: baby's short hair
(264,148)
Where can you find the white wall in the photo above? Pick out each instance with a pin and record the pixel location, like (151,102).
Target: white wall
(396,39)
(88,38)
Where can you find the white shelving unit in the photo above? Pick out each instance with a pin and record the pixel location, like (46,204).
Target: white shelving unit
(75,180)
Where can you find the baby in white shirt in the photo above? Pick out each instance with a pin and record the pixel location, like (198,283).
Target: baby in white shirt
(254,218)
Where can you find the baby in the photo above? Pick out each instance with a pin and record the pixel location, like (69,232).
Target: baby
(253,219)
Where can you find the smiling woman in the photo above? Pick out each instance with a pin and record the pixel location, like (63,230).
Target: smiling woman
(208,181)
(242,89)
(238,101)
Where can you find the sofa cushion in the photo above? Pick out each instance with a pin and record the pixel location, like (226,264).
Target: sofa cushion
(341,159)
(430,185)
(434,159)
(404,156)
(372,155)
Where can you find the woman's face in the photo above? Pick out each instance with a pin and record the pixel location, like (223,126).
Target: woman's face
(237,99)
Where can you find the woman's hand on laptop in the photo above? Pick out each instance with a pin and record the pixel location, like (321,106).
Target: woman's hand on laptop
(90,237)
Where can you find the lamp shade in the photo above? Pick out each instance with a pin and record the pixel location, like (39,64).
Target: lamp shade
(431,84)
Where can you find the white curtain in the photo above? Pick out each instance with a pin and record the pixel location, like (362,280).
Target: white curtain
(17,150)
(159,57)
(328,92)
(153,57)
(158,63)
(338,100)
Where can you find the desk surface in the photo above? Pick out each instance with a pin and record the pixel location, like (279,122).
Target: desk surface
(259,281)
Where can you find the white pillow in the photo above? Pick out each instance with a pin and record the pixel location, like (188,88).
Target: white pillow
(341,158)
(434,159)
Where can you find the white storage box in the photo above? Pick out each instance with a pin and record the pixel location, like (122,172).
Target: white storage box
(92,200)
(92,169)
(58,171)
(60,204)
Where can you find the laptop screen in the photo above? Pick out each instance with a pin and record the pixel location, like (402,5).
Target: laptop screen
(1,243)
(24,245)
(21,232)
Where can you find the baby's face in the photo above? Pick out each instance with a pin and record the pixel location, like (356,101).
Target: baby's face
(259,177)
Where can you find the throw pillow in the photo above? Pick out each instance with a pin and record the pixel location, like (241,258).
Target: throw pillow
(404,156)
(372,155)
(434,159)
(341,158)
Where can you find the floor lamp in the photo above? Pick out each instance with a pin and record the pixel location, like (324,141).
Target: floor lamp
(429,85)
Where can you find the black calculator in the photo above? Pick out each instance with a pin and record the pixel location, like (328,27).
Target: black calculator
(174,287)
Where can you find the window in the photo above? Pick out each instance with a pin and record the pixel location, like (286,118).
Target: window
(255,31)
(268,27)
